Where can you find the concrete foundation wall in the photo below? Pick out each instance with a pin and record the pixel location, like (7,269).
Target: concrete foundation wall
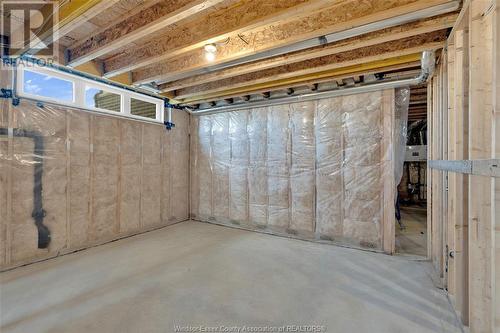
(103,178)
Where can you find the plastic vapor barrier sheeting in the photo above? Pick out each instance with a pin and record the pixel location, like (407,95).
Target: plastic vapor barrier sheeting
(312,170)
(100,178)
(401,135)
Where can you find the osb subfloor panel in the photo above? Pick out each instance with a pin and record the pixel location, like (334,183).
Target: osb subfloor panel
(412,240)
(194,273)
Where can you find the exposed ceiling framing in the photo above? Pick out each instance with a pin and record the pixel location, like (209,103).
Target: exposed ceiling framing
(418,103)
(370,39)
(160,43)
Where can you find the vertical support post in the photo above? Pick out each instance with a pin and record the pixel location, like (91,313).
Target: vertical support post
(480,147)
(430,156)
(451,200)
(460,182)
(443,92)
(496,154)
(436,177)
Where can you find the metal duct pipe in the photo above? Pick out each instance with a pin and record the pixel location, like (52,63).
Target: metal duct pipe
(333,37)
(428,66)
(394,21)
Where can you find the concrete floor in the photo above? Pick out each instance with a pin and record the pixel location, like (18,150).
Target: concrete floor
(193,274)
(412,239)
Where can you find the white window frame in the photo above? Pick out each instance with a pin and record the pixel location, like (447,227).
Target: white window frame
(159,108)
(79,90)
(93,85)
(57,75)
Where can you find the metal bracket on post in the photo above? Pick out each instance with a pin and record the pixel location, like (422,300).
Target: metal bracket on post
(8,93)
(169,124)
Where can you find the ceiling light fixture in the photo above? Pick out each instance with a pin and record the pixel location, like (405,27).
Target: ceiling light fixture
(210,52)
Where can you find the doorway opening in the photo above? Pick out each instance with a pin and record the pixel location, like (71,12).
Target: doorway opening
(411,207)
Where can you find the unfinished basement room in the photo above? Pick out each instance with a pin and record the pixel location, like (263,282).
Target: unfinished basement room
(232,166)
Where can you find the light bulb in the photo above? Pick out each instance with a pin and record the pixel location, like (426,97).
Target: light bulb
(210,52)
(210,48)
(209,56)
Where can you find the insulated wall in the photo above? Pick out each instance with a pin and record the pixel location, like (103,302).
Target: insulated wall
(103,178)
(321,170)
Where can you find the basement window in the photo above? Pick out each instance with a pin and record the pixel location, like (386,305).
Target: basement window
(46,86)
(97,98)
(142,108)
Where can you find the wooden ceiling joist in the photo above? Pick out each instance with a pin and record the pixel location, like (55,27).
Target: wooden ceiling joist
(361,67)
(338,17)
(141,25)
(74,13)
(335,77)
(406,46)
(417,96)
(262,45)
(418,101)
(419,91)
(71,15)
(235,18)
(374,38)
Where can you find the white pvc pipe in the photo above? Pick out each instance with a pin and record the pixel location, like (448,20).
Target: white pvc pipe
(169,114)
(428,67)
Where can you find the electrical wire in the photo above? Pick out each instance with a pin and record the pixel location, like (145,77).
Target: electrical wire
(244,41)
(225,42)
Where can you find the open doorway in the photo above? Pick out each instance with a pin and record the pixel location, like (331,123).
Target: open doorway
(411,210)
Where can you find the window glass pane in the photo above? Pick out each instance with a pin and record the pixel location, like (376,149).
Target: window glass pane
(142,108)
(47,86)
(101,99)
